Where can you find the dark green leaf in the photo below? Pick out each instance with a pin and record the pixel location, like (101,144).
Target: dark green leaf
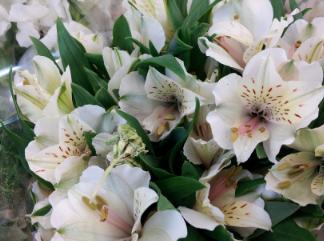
(194,235)
(82,96)
(42,50)
(73,55)
(175,13)
(198,9)
(180,136)
(122,35)
(178,188)
(96,82)
(43,211)
(278,212)
(151,166)
(88,135)
(166,61)
(287,230)
(246,186)
(219,234)
(133,122)
(105,98)
(278,8)
(164,204)
(98,65)
(260,152)
(189,170)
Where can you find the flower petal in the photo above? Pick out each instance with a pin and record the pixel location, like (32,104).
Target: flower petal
(164,226)
(198,219)
(244,214)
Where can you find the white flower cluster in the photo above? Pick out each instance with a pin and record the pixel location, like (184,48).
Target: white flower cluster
(269,99)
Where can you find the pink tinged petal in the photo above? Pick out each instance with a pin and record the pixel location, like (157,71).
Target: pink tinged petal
(247,137)
(112,218)
(244,214)
(198,219)
(215,51)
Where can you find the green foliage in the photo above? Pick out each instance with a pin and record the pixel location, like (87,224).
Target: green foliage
(73,55)
(246,186)
(122,35)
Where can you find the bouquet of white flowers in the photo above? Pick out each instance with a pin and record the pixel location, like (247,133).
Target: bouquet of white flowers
(203,120)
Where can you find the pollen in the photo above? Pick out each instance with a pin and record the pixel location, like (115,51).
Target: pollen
(234,134)
(284,185)
(283,166)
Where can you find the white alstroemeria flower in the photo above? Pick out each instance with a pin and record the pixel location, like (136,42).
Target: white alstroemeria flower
(305,40)
(118,63)
(160,101)
(262,107)
(200,147)
(104,141)
(35,18)
(240,29)
(92,42)
(4,21)
(315,8)
(60,151)
(156,9)
(115,211)
(217,205)
(300,176)
(145,29)
(46,93)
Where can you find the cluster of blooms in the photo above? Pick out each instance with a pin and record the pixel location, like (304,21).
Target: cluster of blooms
(177,121)
(37,18)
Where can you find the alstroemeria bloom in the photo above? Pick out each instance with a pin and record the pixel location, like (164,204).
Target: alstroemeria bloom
(200,147)
(117,63)
(35,18)
(300,176)
(60,151)
(145,28)
(46,93)
(240,29)
(262,107)
(305,40)
(115,211)
(156,9)
(160,101)
(217,205)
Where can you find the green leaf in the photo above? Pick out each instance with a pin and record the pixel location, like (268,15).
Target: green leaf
(195,117)
(178,46)
(178,188)
(88,135)
(175,13)
(247,186)
(82,96)
(133,122)
(287,230)
(179,136)
(164,204)
(260,152)
(43,211)
(96,82)
(98,64)
(219,234)
(278,212)
(189,170)
(151,166)
(122,35)
(166,61)
(194,235)
(278,8)
(73,55)
(42,50)
(198,9)
(105,98)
